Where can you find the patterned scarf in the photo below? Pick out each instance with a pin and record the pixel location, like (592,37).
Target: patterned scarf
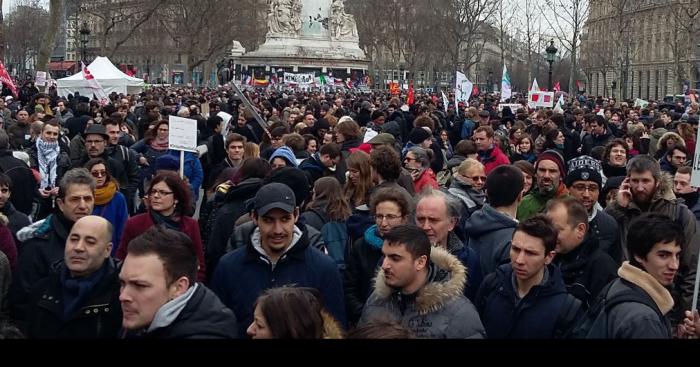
(159,144)
(47,155)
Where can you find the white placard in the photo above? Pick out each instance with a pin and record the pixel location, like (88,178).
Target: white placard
(513,107)
(290,78)
(40,78)
(183,134)
(463,88)
(540,99)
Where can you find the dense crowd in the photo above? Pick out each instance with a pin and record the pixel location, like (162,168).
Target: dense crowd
(346,215)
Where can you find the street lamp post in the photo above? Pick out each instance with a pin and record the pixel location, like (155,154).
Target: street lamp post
(551,52)
(84,36)
(697,60)
(489,87)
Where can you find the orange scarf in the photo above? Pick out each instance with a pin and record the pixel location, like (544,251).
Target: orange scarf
(104,194)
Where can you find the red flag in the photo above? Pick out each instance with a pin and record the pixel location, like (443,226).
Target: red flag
(7,80)
(411,99)
(93,84)
(556,87)
(349,84)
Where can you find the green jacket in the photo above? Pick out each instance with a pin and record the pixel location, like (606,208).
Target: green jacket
(534,202)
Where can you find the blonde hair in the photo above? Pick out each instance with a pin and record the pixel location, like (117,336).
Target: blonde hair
(467,164)
(251,150)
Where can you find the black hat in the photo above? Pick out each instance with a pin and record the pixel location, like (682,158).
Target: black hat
(293,178)
(584,168)
(96,129)
(418,135)
(274,196)
(484,113)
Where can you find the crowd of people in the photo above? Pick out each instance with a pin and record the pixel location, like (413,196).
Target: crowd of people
(346,215)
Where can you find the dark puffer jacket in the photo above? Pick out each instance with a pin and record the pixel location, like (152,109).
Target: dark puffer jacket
(363,261)
(534,316)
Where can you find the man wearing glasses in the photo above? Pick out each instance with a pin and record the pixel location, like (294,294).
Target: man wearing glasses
(96,142)
(584,182)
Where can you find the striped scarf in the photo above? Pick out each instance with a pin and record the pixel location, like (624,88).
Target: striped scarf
(47,154)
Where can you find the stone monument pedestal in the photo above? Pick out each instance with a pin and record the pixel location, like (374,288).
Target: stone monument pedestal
(309,36)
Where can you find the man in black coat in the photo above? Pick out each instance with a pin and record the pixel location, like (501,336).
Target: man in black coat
(585,268)
(175,305)
(77,124)
(126,157)
(80,297)
(24,186)
(96,141)
(76,199)
(18,220)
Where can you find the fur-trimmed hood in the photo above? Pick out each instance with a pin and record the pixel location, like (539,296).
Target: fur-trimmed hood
(667,135)
(440,289)
(665,190)
(331,327)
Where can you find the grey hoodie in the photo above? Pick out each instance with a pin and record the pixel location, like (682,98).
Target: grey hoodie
(489,233)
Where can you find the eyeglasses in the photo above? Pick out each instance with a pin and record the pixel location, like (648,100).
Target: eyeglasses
(584,187)
(478,178)
(160,192)
(389,217)
(98,174)
(409,159)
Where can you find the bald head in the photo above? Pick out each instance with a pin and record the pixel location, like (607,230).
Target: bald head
(88,245)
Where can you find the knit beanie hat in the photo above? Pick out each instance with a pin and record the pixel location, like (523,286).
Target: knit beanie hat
(554,156)
(167,162)
(584,168)
(418,135)
(285,153)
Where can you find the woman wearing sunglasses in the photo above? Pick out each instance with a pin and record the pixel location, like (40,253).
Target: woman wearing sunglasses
(468,186)
(109,202)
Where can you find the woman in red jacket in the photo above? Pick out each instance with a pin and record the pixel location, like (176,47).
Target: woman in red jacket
(169,201)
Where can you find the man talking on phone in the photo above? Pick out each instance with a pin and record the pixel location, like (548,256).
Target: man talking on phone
(645,190)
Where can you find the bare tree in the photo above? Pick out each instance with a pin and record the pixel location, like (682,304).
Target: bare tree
(685,30)
(23,47)
(203,30)
(56,12)
(465,29)
(567,18)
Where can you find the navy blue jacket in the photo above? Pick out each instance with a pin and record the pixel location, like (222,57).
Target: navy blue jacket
(243,275)
(534,317)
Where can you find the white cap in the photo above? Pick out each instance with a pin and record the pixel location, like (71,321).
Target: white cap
(8,98)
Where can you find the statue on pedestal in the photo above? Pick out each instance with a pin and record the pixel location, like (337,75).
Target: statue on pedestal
(284,17)
(343,25)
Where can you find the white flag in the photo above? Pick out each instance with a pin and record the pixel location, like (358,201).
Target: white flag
(463,88)
(535,87)
(506,92)
(559,108)
(94,84)
(445,101)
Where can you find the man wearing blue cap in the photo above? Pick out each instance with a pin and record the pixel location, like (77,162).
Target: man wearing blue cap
(276,254)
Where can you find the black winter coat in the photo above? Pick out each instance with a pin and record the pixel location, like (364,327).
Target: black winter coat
(35,259)
(99,316)
(362,263)
(225,218)
(24,186)
(586,270)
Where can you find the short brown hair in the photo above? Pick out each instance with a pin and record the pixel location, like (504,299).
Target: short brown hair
(426,121)
(390,194)
(685,170)
(295,141)
(173,248)
(575,211)
(487,129)
(235,137)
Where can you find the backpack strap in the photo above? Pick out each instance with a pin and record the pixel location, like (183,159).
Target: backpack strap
(568,314)
(627,296)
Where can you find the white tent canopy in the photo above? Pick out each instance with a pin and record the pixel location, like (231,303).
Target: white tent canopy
(110,78)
